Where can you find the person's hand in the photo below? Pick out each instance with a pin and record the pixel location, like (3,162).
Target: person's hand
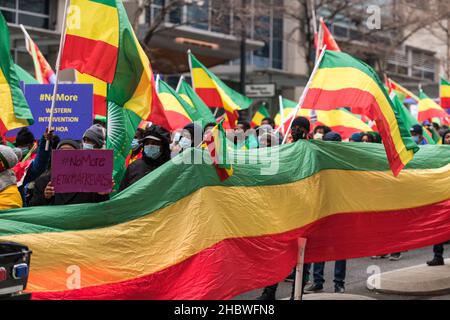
(106,193)
(49,191)
(48,135)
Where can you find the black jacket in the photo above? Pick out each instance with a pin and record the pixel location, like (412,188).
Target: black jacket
(38,198)
(140,168)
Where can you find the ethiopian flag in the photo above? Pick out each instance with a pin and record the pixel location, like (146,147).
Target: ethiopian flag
(217,145)
(190,96)
(178,112)
(215,93)
(261,114)
(401,92)
(14,109)
(169,237)
(428,109)
(343,81)
(445,94)
(92,38)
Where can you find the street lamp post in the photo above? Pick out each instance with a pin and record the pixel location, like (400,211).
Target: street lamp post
(243,46)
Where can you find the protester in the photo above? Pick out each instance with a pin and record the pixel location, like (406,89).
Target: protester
(300,130)
(35,165)
(438,249)
(244,138)
(207,129)
(320,132)
(191,136)
(356,137)
(367,138)
(417,135)
(44,193)
(10,197)
(268,121)
(94,137)
(156,152)
(446,137)
(332,136)
(136,147)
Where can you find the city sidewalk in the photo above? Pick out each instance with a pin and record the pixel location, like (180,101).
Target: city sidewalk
(420,280)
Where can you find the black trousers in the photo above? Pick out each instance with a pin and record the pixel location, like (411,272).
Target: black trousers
(306,268)
(438,250)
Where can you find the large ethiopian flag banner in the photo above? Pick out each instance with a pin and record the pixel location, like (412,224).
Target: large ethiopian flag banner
(177,241)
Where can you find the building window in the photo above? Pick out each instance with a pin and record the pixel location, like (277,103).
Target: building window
(413,63)
(33,13)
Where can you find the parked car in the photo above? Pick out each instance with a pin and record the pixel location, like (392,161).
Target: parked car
(14,270)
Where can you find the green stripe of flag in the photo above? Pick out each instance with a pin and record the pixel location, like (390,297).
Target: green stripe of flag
(199,105)
(7,66)
(173,181)
(111,3)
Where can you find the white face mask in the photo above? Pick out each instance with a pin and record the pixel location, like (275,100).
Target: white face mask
(88,146)
(318,136)
(185,143)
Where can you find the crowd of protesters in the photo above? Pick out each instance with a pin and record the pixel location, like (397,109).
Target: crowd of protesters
(25,168)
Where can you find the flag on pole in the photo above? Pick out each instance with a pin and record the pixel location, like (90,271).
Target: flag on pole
(24,75)
(339,120)
(100,90)
(43,72)
(190,96)
(401,92)
(95,28)
(91,43)
(428,109)
(178,112)
(216,142)
(14,109)
(343,81)
(445,94)
(215,93)
(259,116)
(327,38)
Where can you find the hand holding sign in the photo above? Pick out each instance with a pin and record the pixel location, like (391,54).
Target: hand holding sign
(82,171)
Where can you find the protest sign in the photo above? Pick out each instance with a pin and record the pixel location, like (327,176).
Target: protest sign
(82,171)
(72,115)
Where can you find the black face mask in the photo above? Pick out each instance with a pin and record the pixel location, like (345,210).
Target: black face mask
(298,134)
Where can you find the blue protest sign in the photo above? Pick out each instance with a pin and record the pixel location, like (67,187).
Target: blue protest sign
(72,114)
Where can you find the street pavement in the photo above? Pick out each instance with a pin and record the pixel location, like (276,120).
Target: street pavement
(358,270)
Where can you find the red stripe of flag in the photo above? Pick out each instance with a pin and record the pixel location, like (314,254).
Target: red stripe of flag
(96,58)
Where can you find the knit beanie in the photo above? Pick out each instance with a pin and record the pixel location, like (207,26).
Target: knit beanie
(8,159)
(96,134)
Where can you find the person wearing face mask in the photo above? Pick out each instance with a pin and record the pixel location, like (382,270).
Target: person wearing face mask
(31,165)
(94,138)
(44,192)
(417,135)
(191,136)
(300,129)
(320,132)
(156,152)
(136,147)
